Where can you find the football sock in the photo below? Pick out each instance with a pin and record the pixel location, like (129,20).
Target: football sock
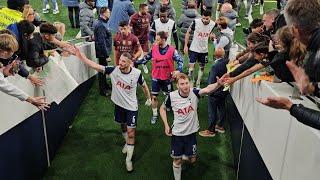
(176,171)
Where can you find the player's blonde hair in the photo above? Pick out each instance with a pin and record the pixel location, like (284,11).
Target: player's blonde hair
(182,76)
(8,43)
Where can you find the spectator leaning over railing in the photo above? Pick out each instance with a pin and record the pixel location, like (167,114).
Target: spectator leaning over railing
(256,26)
(289,49)
(272,21)
(9,45)
(48,33)
(304,17)
(23,28)
(259,55)
(245,55)
(34,45)
(31,16)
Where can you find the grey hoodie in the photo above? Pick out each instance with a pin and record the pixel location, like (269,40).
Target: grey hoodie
(152,7)
(171,12)
(232,17)
(86,19)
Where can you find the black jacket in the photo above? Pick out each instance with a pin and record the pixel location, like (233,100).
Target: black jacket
(244,66)
(23,72)
(103,39)
(306,116)
(280,68)
(33,51)
(312,60)
(218,69)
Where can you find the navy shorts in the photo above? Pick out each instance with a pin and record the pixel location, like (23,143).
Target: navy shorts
(202,58)
(124,116)
(164,85)
(184,145)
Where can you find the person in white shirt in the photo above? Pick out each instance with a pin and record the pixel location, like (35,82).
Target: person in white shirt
(184,104)
(9,45)
(198,50)
(124,80)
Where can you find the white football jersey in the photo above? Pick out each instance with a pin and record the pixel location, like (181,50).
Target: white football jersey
(201,34)
(124,88)
(185,112)
(166,27)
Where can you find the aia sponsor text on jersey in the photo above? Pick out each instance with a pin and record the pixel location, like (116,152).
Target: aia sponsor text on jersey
(123,85)
(186,110)
(203,34)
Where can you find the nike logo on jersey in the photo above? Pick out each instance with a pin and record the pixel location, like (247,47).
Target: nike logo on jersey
(159,60)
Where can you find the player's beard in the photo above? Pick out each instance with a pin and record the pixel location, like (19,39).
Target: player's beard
(123,68)
(206,22)
(164,20)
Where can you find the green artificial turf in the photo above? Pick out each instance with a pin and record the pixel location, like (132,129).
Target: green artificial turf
(92,147)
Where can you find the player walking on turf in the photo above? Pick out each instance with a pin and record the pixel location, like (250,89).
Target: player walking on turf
(124,80)
(163,57)
(184,104)
(198,51)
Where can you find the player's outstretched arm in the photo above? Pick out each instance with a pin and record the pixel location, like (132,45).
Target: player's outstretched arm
(88,62)
(163,115)
(144,60)
(212,87)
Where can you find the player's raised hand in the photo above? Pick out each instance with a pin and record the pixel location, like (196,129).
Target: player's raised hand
(175,74)
(148,102)
(221,81)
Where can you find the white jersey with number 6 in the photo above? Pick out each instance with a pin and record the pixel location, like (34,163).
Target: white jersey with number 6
(124,88)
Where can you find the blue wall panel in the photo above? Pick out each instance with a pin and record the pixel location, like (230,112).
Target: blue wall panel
(22,148)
